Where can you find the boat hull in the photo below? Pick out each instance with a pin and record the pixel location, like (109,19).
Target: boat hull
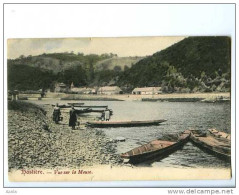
(105,124)
(156,154)
(159,155)
(84,106)
(221,151)
(83,111)
(76,104)
(222,136)
(62,106)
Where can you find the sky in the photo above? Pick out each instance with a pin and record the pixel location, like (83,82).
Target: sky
(123,47)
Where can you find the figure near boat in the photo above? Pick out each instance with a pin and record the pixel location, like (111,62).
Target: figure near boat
(107,114)
(73,118)
(56,114)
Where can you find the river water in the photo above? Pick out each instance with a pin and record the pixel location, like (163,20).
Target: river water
(180,116)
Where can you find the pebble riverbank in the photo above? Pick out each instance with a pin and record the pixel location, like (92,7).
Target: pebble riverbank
(35,141)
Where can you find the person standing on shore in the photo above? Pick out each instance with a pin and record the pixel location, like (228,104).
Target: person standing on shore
(103,116)
(56,114)
(107,114)
(73,118)
(43,93)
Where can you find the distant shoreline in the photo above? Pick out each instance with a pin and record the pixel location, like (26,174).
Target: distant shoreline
(174,97)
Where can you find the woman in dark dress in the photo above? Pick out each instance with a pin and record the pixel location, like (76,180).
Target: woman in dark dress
(56,114)
(73,118)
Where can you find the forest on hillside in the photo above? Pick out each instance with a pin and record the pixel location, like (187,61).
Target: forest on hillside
(195,64)
(43,71)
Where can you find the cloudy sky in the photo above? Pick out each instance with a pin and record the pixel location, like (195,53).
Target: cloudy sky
(140,46)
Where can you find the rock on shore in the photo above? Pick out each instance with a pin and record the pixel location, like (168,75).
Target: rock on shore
(35,141)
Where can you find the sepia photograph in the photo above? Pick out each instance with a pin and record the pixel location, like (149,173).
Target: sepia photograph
(119,109)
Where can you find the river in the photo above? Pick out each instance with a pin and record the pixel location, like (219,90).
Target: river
(180,116)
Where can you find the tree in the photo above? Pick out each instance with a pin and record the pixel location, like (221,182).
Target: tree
(80,54)
(126,68)
(117,69)
(21,56)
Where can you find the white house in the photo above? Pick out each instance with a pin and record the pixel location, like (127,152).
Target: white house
(147,91)
(82,90)
(61,87)
(109,90)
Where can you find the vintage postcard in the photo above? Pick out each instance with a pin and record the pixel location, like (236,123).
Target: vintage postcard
(119,109)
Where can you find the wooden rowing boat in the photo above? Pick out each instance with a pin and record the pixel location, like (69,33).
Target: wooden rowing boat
(82,111)
(157,149)
(62,106)
(76,104)
(220,135)
(104,124)
(89,110)
(211,144)
(93,106)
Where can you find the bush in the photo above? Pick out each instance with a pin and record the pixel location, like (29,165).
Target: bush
(24,106)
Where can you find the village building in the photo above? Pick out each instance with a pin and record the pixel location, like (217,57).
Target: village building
(147,91)
(109,90)
(82,90)
(61,88)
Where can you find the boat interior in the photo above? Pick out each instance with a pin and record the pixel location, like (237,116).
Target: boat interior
(152,146)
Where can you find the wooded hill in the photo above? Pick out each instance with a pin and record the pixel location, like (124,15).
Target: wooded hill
(42,71)
(193,64)
(117,63)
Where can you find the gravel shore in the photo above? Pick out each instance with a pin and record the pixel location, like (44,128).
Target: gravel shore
(35,141)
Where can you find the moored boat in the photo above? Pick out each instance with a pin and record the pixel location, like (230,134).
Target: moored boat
(62,106)
(76,104)
(220,134)
(85,106)
(89,110)
(82,111)
(157,149)
(124,123)
(211,144)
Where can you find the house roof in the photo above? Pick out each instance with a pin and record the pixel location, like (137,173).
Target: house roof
(109,88)
(82,89)
(61,84)
(146,89)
